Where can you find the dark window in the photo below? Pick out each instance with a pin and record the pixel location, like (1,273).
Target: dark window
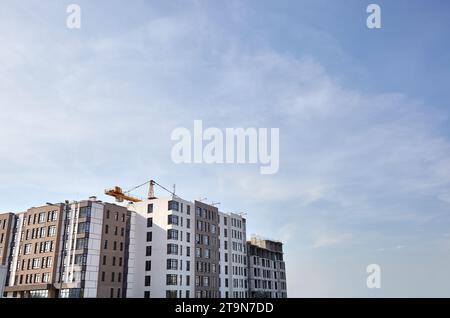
(172,249)
(115,245)
(147,280)
(146,294)
(113,276)
(171,279)
(188,208)
(106,229)
(172,234)
(148,265)
(172,263)
(148,251)
(105,245)
(149,222)
(172,219)
(111,295)
(149,236)
(107,214)
(104,259)
(150,208)
(173,205)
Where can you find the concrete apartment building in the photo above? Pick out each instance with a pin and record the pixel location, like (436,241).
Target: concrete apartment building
(155,248)
(266,269)
(206,250)
(233,256)
(161,251)
(75,249)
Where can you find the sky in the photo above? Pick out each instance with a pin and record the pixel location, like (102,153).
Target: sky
(363,115)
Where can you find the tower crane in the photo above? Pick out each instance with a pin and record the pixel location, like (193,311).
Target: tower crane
(121,196)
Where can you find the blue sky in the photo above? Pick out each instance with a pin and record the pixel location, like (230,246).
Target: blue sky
(363,115)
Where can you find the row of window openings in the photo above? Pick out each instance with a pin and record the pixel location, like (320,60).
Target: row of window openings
(41,247)
(38,233)
(172,234)
(113,277)
(116,216)
(34,263)
(33,279)
(105,245)
(264,284)
(171,280)
(206,214)
(172,206)
(41,217)
(116,230)
(206,227)
(237,283)
(234,222)
(172,264)
(266,262)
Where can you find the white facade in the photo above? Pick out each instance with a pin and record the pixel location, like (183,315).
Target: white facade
(233,256)
(161,250)
(74,274)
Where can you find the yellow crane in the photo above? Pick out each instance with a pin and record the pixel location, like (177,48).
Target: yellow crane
(121,196)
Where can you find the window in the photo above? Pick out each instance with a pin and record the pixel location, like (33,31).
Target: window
(41,217)
(225,220)
(188,251)
(83,227)
(149,222)
(172,249)
(113,277)
(188,223)
(146,294)
(188,207)
(106,229)
(149,236)
(198,211)
(27,249)
(121,246)
(171,294)
(188,280)
(150,208)
(114,261)
(105,244)
(171,279)
(54,215)
(120,261)
(103,276)
(107,214)
(172,234)
(80,259)
(85,212)
(148,251)
(172,264)
(45,277)
(213,228)
(173,205)
(122,231)
(82,243)
(104,259)
(188,237)
(111,295)
(198,252)
(148,280)
(42,234)
(172,219)
(36,263)
(148,265)
(51,230)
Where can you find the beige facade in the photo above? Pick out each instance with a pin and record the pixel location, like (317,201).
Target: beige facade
(34,252)
(6,227)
